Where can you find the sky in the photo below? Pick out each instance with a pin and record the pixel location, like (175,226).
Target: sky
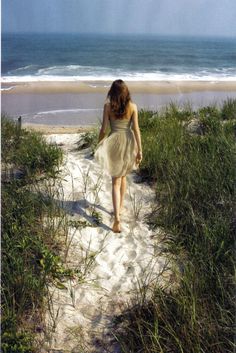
(171,17)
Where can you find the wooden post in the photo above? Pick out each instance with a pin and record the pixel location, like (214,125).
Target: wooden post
(19,122)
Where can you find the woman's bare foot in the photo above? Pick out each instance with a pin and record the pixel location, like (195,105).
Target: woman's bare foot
(116,226)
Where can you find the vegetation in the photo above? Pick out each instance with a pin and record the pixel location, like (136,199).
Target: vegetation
(189,156)
(88,140)
(30,237)
(194,174)
(28,153)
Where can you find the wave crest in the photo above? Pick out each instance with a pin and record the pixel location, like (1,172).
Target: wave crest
(32,73)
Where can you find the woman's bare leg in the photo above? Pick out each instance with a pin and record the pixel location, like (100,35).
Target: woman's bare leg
(116,192)
(122,191)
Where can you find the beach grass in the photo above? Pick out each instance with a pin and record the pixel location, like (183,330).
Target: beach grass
(88,139)
(190,155)
(31,237)
(28,152)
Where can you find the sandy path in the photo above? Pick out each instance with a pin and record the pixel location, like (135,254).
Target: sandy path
(115,264)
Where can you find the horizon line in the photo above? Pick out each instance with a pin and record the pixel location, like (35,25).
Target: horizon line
(125,34)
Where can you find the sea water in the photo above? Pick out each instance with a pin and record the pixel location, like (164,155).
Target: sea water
(92,57)
(74,57)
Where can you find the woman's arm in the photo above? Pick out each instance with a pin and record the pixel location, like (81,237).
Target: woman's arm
(137,133)
(105,119)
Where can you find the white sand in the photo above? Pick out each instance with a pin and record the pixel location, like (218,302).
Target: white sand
(119,263)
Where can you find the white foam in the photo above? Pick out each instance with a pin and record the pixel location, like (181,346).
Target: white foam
(25,68)
(7,88)
(218,75)
(73,70)
(67,111)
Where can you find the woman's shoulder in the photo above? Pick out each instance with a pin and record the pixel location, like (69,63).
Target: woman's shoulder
(107,104)
(133,106)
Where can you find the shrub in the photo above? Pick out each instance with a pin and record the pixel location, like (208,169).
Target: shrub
(28,151)
(229,109)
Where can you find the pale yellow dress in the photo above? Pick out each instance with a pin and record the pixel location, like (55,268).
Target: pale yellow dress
(117,152)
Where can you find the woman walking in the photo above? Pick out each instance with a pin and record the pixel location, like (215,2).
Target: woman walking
(120,152)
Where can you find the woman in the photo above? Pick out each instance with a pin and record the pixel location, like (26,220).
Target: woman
(121,151)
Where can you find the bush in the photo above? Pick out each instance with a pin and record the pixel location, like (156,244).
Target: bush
(28,151)
(88,139)
(229,109)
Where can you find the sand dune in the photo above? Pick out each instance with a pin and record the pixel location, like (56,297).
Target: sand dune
(116,264)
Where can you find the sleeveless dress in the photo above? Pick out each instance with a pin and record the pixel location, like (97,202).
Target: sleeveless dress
(116,153)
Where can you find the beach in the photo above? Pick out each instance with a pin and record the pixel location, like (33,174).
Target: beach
(164,282)
(158,87)
(73,105)
(113,274)
(62,80)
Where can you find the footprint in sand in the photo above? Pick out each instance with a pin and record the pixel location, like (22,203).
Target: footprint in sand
(130,270)
(132,255)
(117,249)
(116,288)
(100,230)
(130,240)
(111,265)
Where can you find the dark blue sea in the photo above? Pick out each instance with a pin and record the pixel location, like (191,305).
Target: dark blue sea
(58,57)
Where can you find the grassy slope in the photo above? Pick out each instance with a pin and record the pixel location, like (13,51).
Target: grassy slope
(195,183)
(30,244)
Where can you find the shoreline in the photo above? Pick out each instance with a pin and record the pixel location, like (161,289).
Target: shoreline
(76,106)
(159,87)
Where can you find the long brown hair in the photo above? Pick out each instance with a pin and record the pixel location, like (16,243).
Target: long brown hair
(119,97)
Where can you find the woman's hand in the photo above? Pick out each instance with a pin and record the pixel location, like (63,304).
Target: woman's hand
(139,157)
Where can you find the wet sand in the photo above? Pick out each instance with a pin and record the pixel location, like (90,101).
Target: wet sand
(80,104)
(161,87)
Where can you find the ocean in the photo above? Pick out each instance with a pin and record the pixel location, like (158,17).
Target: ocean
(94,58)
(74,57)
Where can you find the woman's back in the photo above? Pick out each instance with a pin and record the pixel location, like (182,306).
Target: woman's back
(120,124)
(126,116)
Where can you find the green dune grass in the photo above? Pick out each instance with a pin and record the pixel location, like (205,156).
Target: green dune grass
(30,238)
(194,176)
